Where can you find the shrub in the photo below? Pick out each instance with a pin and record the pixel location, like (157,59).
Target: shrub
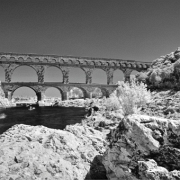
(112,103)
(132,96)
(1,91)
(128,97)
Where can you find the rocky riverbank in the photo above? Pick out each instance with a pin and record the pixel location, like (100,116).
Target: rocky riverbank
(4,103)
(73,103)
(144,147)
(37,152)
(164,104)
(112,147)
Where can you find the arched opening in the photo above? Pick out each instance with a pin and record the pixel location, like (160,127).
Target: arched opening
(97,93)
(118,76)
(24,74)
(99,76)
(24,94)
(53,74)
(76,93)
(133,74)
(2,74)
(52,94)
(77,75)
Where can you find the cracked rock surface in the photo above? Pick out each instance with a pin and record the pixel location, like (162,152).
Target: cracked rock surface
(164,104)
(144,147)
(36,152)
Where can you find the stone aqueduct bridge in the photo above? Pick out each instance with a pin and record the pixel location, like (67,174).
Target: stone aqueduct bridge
(10,61)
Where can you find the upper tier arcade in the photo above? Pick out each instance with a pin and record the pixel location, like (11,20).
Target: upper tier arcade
(10,61)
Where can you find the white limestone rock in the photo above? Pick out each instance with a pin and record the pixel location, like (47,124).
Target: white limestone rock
(37,152)
(139,138)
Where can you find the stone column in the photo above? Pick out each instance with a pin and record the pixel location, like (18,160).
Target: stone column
(8,95)
(65,94)
(127,73)
(40,92)
(89,92)
(109,73)
(65,72)
(40,70)
(8,75)
(88,72)
(90,95)
(9,71)
(40,95)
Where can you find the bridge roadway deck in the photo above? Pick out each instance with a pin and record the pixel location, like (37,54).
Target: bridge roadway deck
(55,84)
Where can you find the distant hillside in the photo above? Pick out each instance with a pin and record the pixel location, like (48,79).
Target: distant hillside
(164,72)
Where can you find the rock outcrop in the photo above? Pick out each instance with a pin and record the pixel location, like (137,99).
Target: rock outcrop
(164,104)
(37,152)
(144,147)
(164,72)
(72,103)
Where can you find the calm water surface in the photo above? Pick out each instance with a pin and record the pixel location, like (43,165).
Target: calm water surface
(52,117)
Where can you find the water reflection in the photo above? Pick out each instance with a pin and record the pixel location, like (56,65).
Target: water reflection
(52,117)
(2,116)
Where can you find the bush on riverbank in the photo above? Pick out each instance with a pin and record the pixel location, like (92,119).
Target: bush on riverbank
(130,97)
(3,100)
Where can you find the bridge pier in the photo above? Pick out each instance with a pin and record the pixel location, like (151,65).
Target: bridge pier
(8,95)
(40,96)
(127,73)
(65,96)
(88,95)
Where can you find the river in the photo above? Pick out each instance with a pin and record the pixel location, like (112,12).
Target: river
(52,117)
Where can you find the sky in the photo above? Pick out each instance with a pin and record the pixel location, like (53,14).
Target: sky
(141,30)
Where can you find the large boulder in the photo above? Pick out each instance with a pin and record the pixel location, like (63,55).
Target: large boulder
(36,152)
(144,147)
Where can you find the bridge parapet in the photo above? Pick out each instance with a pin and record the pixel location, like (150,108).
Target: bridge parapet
(9,58)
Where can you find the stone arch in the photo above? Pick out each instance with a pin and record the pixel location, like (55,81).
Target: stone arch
(12,59)
(55,92)
(118,76)
(99,76)
(28,59)
(53,74)
(77,93)
(77,62)
(133,74)
(3,58)
(20,59)
(76,75)
(25,74)
(70,61)
(27,92)
(2,74)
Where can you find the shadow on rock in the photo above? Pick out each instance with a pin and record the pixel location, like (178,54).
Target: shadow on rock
(97,169)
